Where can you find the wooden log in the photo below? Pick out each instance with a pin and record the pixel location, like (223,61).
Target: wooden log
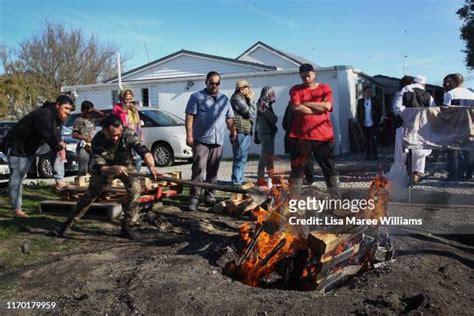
(324,242)
(336,278)
(82,181)
(321,243)
(109,210)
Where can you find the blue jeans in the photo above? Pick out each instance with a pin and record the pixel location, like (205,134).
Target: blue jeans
(19,167)
(58,169)
(241,152)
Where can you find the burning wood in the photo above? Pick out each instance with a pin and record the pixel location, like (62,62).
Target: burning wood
(276,253)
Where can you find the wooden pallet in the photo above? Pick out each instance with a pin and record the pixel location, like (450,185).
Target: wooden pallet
(103,210)
(357,135)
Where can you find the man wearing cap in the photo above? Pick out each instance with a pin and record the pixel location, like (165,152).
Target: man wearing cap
(415,96)
(23,140)
(312,128)
(208,112)
(244,118)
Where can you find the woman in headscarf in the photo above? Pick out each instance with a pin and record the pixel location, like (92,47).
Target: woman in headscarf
(128,114)
(266,130)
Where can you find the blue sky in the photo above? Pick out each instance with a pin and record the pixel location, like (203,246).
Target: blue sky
(371,35)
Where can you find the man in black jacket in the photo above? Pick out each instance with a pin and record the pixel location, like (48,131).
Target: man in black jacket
(23,140)
(369,113)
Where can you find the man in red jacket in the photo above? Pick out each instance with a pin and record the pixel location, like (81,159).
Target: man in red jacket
(313,131)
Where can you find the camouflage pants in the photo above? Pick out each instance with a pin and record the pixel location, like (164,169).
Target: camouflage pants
(96,186)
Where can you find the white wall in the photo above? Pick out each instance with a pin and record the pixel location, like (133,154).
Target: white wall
(101,97)
(172,96)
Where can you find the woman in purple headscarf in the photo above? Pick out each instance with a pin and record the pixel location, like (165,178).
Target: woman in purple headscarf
(265,131)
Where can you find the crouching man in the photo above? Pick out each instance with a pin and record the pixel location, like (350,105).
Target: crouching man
(112,154)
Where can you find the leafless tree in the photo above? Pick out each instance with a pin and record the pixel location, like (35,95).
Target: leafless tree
(67,57)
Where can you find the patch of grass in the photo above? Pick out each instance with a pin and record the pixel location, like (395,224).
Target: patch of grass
(32,195)
(7,288)
(8,232)
(41,248)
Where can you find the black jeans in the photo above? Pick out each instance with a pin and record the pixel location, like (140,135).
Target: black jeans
(370,134)
(290,147)
(323,152)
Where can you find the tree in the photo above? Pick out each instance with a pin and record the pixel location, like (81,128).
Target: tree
(61,57)
(20,91)
(466,13)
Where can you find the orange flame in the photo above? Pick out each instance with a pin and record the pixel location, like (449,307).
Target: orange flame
(265,255)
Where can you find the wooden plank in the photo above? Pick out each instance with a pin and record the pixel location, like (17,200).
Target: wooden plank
(333,280)
(82,181)
(107,210)
(323,242)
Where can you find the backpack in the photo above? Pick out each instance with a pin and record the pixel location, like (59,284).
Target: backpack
(419,98)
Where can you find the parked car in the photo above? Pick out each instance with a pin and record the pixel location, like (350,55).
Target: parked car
(43,165)
(163,132)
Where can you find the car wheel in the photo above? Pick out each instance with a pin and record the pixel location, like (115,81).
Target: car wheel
(45,168)
(163,154)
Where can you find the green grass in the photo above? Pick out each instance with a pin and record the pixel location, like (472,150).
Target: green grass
(14,232)
(8,232)
(32,195)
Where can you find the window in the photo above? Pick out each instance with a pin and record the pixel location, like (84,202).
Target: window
(115,97)
(163,118)
(145,98)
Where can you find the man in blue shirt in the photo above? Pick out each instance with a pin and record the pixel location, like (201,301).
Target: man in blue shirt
(208,112)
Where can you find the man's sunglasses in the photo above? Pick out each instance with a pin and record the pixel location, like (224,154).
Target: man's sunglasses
(214,83)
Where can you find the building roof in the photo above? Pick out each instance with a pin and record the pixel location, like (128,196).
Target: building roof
(298,60)
(191,53)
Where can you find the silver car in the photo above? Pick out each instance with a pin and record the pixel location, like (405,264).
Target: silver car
(163,132)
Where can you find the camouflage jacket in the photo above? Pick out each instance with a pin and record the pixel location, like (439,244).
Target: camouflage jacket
(105,153)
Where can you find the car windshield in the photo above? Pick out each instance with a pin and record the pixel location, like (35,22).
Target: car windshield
(164,118)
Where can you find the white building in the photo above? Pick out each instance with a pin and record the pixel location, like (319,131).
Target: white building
(168,82)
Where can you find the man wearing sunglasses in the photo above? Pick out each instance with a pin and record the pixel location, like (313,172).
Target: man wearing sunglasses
(208,112)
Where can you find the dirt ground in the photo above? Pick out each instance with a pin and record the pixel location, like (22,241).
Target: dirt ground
(173,272)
